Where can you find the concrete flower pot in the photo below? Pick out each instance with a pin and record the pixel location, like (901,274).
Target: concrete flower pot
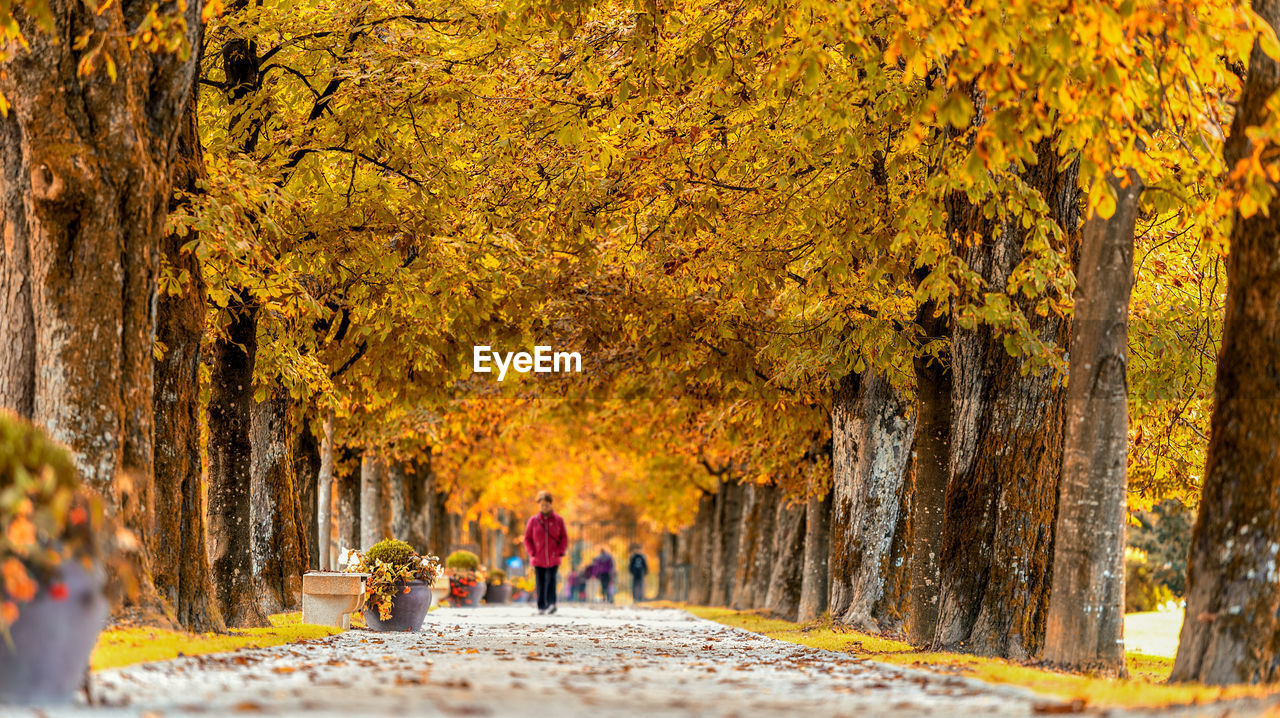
(52,640)
(408,610)
(329,597)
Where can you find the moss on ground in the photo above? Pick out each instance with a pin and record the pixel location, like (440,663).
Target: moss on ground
(1145,687)
(125,646)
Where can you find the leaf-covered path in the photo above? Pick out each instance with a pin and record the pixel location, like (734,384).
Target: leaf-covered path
(508,661)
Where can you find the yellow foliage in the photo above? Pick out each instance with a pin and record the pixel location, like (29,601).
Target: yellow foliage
(119,647)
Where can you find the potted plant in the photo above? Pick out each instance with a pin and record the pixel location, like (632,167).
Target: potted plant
(397,589)
(522,589)
(52,604)
(497,590)
(465,589)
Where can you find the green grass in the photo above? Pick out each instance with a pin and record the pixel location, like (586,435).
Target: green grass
(126,646)
(1145,686)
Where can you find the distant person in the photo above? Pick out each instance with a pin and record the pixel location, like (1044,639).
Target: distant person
(545,540)
(638,567)
(603,570)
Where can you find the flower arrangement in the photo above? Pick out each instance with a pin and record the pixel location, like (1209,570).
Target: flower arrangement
(460,586)
(392,564)
(462,561)
(46,518)
(496,577)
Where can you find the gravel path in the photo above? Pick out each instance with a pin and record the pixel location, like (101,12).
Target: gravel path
(508,661)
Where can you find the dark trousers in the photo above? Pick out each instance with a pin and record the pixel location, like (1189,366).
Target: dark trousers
(545,580)
(637,587)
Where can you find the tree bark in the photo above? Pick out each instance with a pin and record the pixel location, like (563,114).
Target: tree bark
(755,547)
(700,551)
(1085,626)
(348,517)
(1006,451)
(872,436)
(181,568)
(82,214)
(783,599)
(440,528)
(929,475)
(230,475)
(1231,633)
(398,502)
(815,581)
(324,497)
(725,537)
(306,471)
(371,468)
(279,549)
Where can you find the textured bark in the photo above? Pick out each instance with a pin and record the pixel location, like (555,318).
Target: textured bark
(85,180)
(279,546)
(440,526)
(324,497)
(700,551)
(370,500)
(396,484)
(306,471)
(668,556)
(1231,633)
(181,567)
(815,580)
(783,598)
(1006,450)
(728,527)
(929,475)
(1085,626)
(230,476)
(419,494)
(755,547)
(348,517)
(872,435)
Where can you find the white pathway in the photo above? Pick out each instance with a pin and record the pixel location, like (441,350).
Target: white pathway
(508,661)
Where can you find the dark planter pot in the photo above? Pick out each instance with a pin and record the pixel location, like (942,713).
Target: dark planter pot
(52,641)
(498,593)
(474,594)
(407,610)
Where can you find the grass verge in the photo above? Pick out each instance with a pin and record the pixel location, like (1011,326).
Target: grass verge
(1145,687)
(118,647)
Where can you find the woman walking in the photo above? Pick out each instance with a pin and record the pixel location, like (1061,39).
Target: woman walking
(545,540)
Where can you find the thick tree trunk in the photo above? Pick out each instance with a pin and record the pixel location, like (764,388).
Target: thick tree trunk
(440,528)
(929,475)
(728,527)
(82,215)
(348,518)
(397,485)
(1231,633)
(324,497)
(700,551)
(815,583)
(1085,628)
(230,470)
(306,471)
(1006,452)
(755,547)
(279,549)
(419,487)
(783,598)
(871,433)
(370,499)
(181,565)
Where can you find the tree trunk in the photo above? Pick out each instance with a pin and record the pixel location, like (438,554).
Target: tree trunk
(783,598)
(700,551)
(82,215)
(349,507)
(279,550)
(1085,627)
(728,527)
(1006,452)
(181,570)
(931,470)
(419,486)
(306,471)
(755,547)
(324,497)
(815,580)
(230,476)
(1231,633)
(440,528)
(370,500)
(872,434)
(397,485)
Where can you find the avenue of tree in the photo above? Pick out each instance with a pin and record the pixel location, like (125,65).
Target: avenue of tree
(888,310)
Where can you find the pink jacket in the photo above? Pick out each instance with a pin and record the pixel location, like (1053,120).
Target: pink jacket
(545,540)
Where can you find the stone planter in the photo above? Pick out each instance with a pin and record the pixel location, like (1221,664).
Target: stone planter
(497,593)
(407,610)
(439,590)
(52,640)
(329,598)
